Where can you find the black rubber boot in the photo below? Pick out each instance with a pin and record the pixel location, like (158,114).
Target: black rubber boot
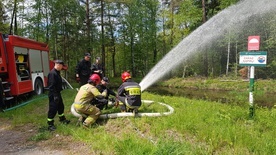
(135,112)
(63,120)
(51,126)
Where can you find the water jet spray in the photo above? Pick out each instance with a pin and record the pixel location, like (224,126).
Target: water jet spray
(231,17)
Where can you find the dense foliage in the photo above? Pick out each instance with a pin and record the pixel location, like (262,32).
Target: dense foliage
(134,34)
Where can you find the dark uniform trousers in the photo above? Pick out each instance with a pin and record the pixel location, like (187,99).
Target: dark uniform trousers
(54,107)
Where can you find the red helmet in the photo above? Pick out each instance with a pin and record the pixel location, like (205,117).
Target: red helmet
(95,78)
(125,76)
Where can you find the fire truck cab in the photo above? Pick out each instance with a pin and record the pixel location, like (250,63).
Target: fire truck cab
(24,66)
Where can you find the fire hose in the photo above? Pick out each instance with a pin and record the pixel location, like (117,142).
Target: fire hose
(130,114)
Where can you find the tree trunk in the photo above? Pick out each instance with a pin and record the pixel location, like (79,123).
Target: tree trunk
(172,23)
(204,18)
(205,57)
(88,26)
(103,47)
(236,66)
(15,24)
(184,71)
(12,17)
(113,50)
(228,54)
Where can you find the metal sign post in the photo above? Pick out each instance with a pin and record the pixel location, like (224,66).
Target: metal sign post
(251,59)
(251,90)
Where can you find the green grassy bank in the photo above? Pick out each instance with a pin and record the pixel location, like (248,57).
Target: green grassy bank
(195,127)
(221,84)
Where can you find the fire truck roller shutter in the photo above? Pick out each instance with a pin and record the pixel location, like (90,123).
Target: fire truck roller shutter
(35,61)
(45,61)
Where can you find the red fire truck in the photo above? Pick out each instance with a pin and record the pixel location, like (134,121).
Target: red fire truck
(24,66)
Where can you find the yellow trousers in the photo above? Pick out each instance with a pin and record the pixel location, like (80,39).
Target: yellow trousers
(92,112)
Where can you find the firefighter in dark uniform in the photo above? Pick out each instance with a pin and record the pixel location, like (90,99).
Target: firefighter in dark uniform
(103,86)
(97,67)
(129,94)
(55,100)
(83,69)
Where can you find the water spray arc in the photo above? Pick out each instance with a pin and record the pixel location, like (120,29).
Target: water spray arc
(232,17)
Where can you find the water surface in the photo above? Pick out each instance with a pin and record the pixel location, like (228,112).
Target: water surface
(227,97)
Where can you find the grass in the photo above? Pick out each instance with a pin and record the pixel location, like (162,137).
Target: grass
(195,127)
(220,84)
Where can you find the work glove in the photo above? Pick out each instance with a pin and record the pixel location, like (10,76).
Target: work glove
(111,102)
(56,99)
(105,93)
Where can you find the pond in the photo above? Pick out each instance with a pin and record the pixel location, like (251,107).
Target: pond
(228,97)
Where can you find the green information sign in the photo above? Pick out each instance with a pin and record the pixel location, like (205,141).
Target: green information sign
(258,58)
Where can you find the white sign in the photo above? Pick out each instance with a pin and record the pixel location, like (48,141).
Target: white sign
(253,58)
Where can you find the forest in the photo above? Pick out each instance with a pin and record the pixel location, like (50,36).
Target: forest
(134,35)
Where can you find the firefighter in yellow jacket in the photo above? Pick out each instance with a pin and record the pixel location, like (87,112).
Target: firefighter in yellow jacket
(86,94)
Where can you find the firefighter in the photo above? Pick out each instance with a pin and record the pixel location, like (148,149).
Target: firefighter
(83,69)
(85,95)
(97,67)
(55,100)
(129,94)
(103,86)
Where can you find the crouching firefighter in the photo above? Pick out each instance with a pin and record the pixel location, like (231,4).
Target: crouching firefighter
(82,104)
(129,94)
(100,103)
(101,87)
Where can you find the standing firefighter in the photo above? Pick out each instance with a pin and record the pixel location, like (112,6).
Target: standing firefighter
(83,69)
(86,94)
(55,100)
(129,94)
(97,67)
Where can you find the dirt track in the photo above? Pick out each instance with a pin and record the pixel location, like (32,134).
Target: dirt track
(17,141)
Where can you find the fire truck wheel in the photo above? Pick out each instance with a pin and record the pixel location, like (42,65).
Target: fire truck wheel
(38,87)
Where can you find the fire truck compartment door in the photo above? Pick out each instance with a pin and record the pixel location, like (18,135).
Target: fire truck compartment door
(46,66)
(35,61)
(20,51)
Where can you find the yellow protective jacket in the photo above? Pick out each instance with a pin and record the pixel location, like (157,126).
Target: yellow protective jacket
(88,92)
